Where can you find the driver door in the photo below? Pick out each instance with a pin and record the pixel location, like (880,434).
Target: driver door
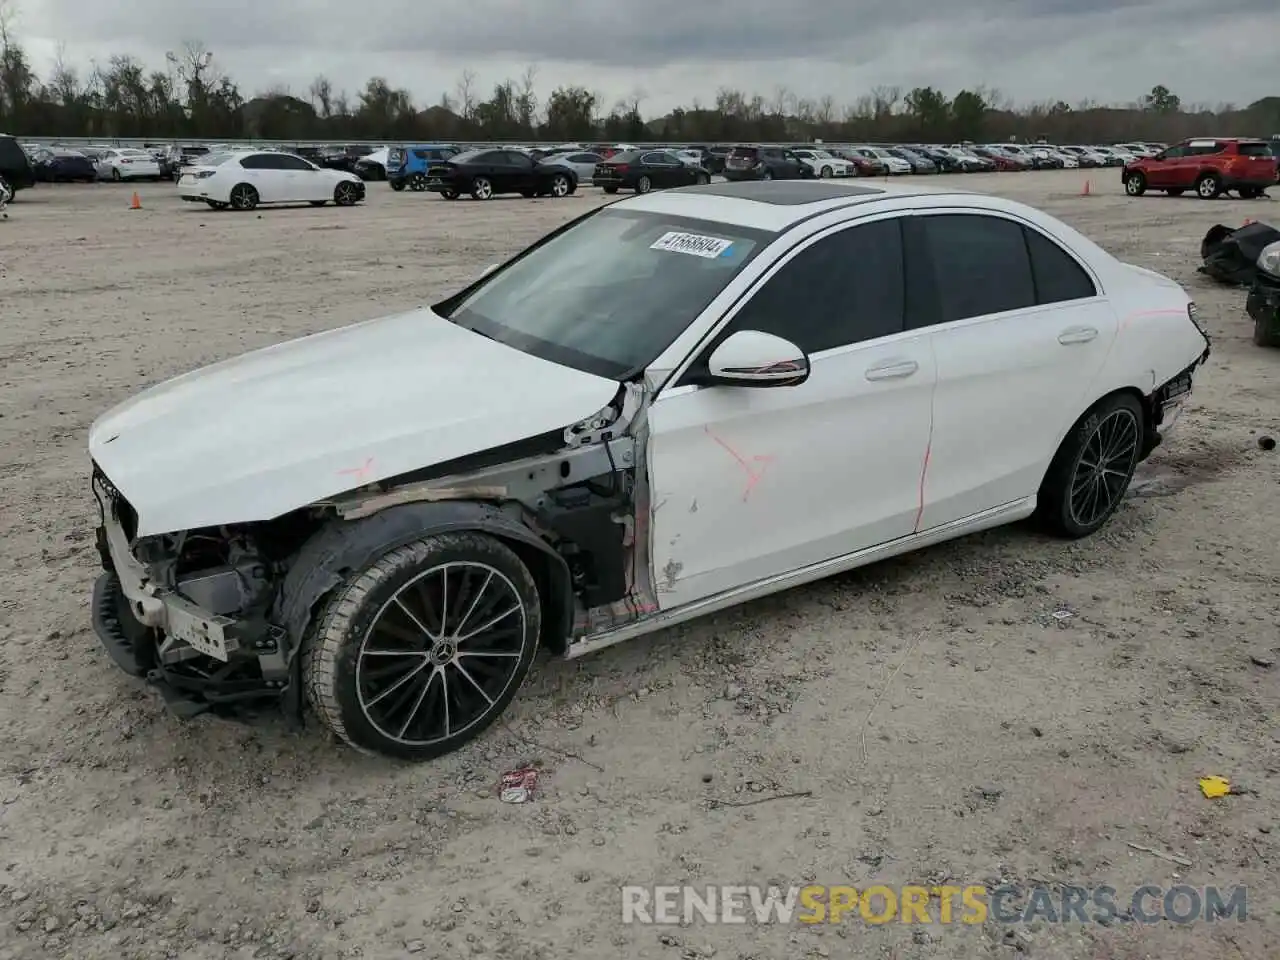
(752,482)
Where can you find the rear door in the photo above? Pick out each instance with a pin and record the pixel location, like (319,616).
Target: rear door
(1254,162)
(1020,331)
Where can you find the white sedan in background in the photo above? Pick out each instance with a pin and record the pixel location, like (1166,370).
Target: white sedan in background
(244,179)
(826,164)
(127,163)
(894,165)
(581,162)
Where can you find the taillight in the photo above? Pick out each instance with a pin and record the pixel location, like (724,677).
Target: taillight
(621,167)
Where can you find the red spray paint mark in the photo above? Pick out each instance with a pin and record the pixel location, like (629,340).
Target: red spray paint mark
(754,476)
(358,472)
(924,472)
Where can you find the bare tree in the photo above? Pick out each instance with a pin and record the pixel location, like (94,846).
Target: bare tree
(884,100)
(782,101)
(465,92)
(321,92)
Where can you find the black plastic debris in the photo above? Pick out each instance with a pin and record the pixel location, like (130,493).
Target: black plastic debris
(1231,256)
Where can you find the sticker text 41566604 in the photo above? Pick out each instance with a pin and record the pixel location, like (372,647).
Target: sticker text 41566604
(694,244)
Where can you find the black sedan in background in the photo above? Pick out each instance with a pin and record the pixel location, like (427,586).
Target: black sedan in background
(63,166)
(645,170)
(486,173)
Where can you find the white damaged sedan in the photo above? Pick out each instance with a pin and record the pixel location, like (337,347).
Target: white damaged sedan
(244,179)
(674,404)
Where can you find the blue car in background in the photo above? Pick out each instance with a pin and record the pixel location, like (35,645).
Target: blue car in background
(407,166)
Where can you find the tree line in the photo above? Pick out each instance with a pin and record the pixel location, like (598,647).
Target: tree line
(190,96)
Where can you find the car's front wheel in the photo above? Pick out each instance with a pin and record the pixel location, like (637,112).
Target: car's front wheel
(1135,184)
(422,650)
(1091,471)
(560,186)
(346,194)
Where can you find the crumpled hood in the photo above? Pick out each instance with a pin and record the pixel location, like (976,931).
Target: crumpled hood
(256,436)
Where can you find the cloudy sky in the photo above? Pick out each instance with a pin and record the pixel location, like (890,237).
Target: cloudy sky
(673,51)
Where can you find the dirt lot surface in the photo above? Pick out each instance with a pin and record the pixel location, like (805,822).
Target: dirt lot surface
(949,727)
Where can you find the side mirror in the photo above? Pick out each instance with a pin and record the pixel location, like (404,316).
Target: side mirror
(750,358)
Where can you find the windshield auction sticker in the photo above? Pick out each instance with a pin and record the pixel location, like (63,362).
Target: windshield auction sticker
(692,243)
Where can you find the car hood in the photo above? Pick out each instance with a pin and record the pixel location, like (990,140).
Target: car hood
(259,435)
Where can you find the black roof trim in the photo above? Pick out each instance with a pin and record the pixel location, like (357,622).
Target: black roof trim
(785,193)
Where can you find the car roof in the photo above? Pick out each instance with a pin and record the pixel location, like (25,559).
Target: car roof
(773,205)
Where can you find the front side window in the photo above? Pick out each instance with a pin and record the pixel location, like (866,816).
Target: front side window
(846,288)
(611,292)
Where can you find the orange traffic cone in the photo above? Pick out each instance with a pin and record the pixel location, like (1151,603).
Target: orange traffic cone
(136,203)
(1085,191)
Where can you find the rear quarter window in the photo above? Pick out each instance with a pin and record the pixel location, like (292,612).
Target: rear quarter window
(1254,150)
(11,153)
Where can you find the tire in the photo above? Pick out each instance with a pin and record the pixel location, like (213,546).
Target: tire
(644,185)
(418,182)
(768,174)
(449,194)
(346,194)
(1266,334)
(610,189)
(826,173)
(395,603)
(481,189)
(397,185)
(115,174)
(1175,191)
(1249,193)
(701,180)
(1209,186)
(561,187)
(1110,432)
(1135,184)
(243,197)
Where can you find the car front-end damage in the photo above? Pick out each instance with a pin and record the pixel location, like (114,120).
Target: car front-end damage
(216,618)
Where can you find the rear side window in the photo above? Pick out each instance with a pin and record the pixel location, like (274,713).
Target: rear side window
(11,153)
(1058,277)
(980,265)
(744,153)
(1253,150)
(846,288)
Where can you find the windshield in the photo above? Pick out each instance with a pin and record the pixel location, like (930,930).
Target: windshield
(611,292)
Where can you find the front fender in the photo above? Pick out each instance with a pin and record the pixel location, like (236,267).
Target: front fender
(343,547)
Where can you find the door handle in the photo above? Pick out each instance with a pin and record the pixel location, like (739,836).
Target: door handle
(892,370)
(1077,335)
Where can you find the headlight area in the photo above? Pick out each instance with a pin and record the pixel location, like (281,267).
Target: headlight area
(192,612)
(1263,302)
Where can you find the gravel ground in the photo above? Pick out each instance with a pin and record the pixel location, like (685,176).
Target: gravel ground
(949,727)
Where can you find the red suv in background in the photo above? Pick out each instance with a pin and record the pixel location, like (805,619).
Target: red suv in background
(1208,165)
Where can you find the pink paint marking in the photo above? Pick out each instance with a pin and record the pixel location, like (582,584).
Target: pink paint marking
(358,472)
(753,477)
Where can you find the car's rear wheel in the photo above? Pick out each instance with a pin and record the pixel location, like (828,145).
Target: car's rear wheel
(449,194)
(243,197)
(1135,184)
(767,175)
(346,194)
(610,189)
(701,179)
(397,185)
(1209,186)
(424,648)
(1091,471)
(644,185)
(482,188)
(1250,193)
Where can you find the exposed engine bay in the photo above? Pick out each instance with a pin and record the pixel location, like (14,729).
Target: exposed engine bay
(215,617)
